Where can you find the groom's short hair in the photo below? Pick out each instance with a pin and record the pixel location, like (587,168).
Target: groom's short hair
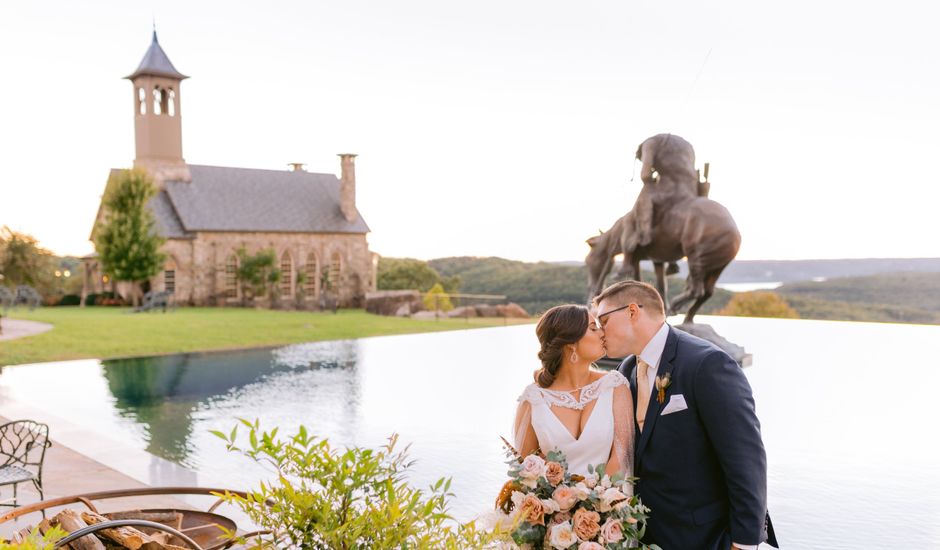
(627,292)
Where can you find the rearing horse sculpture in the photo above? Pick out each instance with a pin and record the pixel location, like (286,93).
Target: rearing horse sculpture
(684,225)
(609,244)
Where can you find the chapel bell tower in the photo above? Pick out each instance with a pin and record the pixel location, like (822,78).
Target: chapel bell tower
(158,131)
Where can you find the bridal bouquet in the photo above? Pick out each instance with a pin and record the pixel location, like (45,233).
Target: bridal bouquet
(544,506)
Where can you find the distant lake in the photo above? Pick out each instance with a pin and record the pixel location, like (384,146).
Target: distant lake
(749,287)
(847,410)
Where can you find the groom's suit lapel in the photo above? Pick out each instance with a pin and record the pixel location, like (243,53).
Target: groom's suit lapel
(652,412)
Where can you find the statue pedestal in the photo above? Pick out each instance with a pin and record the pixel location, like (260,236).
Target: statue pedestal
(706,332)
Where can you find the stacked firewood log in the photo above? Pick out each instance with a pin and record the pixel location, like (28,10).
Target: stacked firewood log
(114,538)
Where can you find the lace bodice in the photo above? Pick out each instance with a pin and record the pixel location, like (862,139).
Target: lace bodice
(607,436)
(535,394)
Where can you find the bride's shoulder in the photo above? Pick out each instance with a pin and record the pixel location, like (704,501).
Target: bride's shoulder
(532,394)
(613,379)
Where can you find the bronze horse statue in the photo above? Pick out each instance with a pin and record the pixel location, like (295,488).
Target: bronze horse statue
(684,225)
(609,244)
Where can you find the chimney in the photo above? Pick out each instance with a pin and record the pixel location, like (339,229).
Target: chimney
(296,166)
(347,162)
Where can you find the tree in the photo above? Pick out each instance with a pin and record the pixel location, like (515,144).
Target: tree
(257,273)
(24,262)
(126,239)
(406,274)
(437,300)
(759,304)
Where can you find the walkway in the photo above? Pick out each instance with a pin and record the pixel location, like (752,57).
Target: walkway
(18,328)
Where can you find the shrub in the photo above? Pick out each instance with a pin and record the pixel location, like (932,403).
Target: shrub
(104,299)
(759,304)
(324,498)
(437,300)
(70,300)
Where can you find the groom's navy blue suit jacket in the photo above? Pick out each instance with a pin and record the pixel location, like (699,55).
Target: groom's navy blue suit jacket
(702,470)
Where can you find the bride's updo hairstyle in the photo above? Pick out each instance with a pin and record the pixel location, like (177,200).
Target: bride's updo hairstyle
(558,327)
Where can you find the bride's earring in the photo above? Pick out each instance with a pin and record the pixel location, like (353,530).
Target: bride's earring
(574,356)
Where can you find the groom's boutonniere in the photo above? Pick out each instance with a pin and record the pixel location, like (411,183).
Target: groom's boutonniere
(662,382)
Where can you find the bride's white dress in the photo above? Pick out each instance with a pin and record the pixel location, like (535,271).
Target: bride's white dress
(607,436)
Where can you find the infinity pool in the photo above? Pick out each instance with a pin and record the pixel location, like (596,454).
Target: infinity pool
(847,411)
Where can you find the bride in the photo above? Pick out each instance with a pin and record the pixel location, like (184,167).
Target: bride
(583,412)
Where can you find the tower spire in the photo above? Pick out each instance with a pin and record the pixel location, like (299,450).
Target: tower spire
(155,62)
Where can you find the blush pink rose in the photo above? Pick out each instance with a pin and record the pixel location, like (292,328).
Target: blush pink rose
(565,496)
(612,531)
(590,546)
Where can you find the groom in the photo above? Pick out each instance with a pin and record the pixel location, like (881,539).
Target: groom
(699,457)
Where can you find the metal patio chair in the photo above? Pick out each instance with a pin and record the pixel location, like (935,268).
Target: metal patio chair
(21,442)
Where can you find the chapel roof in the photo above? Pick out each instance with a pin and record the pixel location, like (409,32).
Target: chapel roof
(221,198)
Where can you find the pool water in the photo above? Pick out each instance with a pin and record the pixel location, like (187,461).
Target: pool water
(847,413)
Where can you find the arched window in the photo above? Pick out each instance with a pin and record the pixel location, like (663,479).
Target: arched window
(231,276)
(336,270)
(158,101)
(287,269)
(312,273)
(169,277)
(141,101)
(171,107)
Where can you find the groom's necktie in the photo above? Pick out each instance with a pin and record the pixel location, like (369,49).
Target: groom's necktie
(642,391)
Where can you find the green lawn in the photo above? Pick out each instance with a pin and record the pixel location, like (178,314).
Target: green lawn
(104,332)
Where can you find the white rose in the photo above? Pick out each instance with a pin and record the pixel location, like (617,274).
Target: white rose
(495,520)
(590,546)
(589,481)
(608,498)
(605,482)
(562,536)
(532,467)
(550,506)
(581,490)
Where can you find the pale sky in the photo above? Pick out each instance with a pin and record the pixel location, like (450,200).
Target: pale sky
(499,128)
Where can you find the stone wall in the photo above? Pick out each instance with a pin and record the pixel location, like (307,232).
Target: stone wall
(200,265)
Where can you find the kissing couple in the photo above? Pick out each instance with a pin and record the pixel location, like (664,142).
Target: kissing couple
(678,414)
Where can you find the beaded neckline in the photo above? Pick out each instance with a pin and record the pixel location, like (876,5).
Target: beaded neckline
(564,398)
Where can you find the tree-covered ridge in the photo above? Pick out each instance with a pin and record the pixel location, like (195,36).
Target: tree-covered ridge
(540,285)
(889,297)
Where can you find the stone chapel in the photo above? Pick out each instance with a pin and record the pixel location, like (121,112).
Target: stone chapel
(208,213)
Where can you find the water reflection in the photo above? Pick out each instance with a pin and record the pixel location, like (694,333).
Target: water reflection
(851,464)
(164,395)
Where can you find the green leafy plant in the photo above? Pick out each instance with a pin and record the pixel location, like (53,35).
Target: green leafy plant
(35,540)
(323,498)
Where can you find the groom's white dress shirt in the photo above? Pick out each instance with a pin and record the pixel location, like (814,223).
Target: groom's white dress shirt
(652,354)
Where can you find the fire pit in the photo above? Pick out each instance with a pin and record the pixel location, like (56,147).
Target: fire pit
(146,528)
